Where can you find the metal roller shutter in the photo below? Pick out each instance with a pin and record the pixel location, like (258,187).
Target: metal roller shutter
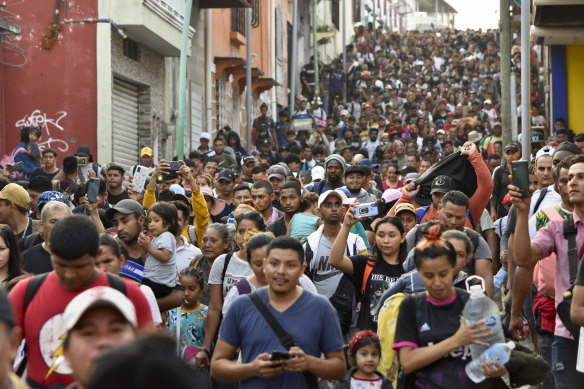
(125,124)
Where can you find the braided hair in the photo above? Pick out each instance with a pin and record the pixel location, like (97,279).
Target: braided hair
(196,273)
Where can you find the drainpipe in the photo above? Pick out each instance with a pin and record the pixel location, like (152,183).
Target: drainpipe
(525,128)
(208,81)
(182,84)
(291,99)
(315,51)
(345,52)
(248,80)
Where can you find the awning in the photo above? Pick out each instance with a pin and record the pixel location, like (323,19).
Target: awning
(224,4)
(264,84)
(255,74)
(229,65)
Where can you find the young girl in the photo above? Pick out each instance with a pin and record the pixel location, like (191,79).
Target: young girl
(193,314)
(159,254)
(112,260)
(306,222)
(365,350)
(431,338)
(384,267)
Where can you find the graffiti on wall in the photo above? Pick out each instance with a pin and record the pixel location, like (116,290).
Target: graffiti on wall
(52,127)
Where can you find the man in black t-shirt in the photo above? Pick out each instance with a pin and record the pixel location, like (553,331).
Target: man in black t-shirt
(37,259)
(49,169)
(115,189)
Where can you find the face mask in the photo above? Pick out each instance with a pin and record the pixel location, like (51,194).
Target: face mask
(435,78)
(475,79)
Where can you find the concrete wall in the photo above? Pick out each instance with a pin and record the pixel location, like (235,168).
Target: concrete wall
(55,88)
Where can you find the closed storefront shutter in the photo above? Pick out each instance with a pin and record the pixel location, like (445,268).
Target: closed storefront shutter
(125,124)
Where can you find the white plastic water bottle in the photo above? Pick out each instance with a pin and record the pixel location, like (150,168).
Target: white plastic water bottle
(497,353)
(231,225)
(480,307)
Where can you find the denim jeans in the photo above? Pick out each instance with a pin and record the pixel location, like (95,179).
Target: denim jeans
(564,354)
(545,340)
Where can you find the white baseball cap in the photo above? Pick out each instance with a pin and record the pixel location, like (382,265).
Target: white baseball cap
(317,173)
(100,296)
(328,193)
(205,135)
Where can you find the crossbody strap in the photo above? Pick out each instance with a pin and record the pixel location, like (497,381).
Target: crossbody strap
(569,231)
(285,339)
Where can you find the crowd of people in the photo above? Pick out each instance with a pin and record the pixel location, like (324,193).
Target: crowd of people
(333,252)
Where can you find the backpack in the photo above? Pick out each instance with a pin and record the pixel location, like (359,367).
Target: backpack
(35,284)
(386,325)
(318,188)
(193,235)
(9,158)
(262,131)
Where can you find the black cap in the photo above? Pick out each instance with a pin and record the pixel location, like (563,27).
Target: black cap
(247,159)
(426,150)
(354,169)
(6,312)
(442,184)
(267,142)
(512,147)
(226,175)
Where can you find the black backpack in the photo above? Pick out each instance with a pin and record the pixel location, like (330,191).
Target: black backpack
(263,131)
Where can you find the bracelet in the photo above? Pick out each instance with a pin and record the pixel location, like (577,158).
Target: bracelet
(206,352)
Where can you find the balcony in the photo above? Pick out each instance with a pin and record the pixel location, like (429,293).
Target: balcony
(154,23)
(224,4)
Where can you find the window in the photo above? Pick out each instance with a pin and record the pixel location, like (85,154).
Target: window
(131,49)
(238,20)
(335,14)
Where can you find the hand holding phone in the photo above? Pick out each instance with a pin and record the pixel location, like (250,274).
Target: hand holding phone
(92,190)
(520,172)
(280,355)
(175,165)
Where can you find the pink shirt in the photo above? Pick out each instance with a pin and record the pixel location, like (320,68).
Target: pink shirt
(551,239)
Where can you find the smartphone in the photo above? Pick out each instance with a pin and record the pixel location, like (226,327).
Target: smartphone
(520,172)
(365,210)
(140,176)
(295,173)
(280,355)
(92,189)
(18,166)
(175,165)
(82,161)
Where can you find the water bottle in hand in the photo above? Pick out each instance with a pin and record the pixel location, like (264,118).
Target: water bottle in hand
(497,353)
(480,307)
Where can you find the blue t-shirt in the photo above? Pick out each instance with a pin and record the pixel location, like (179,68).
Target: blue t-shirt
(311,321)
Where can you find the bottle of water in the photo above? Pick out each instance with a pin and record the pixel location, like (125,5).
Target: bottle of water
(480,307)
(497,353)
(231,225)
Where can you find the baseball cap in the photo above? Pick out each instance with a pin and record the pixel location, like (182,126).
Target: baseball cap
(404,207)
(354,169)
(15,194)
(368,163)
(83,151)
(317,173)
(99,296)
(391,195)
(205,135)
(440,132)
(442,184)
(226,175)
(512,147)
(6,312)
(344,113)
(346,196)
(546,150)
(322,123)
(177,189)
(126,207)
(488,101)
(277,171)
(247,159)
(51,195)
(146,151)
(410,177)
(328,193)
(266,141)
